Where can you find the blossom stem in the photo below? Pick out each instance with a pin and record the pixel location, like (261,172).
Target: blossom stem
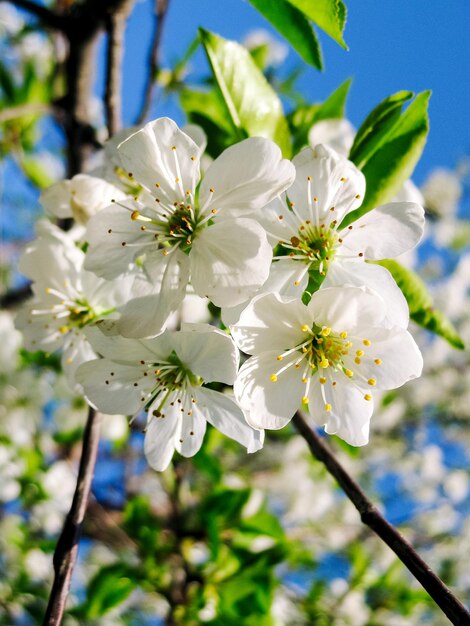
(66,550)
(439,592)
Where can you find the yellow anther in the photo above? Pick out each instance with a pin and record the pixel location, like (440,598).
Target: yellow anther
(359,352)
(173,147)
(325,331)
(371,382)
(296,283)
(211,190)
(280,357)
(280,217)
(378,361)
(214,211)
(69,361)
(297,366)
(343,335)
(348,345)
(273,378)
(304,328)
(366,342)
(305,400)
(357,361)
(367,397)
(324,363)
(327,407)
(322,380)
(177,180)
(309,178)
(64,329)
(349,373)
(48,290)
(357,196)
(304,380)
(343,179)
(304,349)
(135,215)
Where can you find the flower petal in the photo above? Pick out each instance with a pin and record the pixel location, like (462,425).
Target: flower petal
(192,430)
(268,404)
(335,182)
(375,277)
(160,153)
(160,438)
(118,395)
(225,415)
(207,351)
(349,415)
(346,308)
(270,322)
(56,199)
(388,231)
(230,260)
(246,176)
(147,313)
(108,234)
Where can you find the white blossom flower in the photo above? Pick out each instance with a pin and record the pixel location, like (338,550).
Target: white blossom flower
(326,357)
(80,197)
(337,134)
(201,233)
(167,376)
(306,226)
(66,298)
(442,191)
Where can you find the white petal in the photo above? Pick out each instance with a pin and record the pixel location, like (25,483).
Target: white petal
(268,404)
(224,414)
(337,134)
(89,194)
(192,431)
(335,182)
(106,341)
(108,233)
(271,323)
(375,277)
(246,176)
(40,332)
(229,261)
(118,395)
(207,351)
(160,438)
(409,193)
(388,231)
(344,308)
(288,277)
(77,350)
(350,413)
(56,199)
(161,153)
(400,358)
(154,301)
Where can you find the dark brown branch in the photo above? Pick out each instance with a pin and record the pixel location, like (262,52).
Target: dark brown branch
(15,297)
(439,592)
(46,16)
(161,8)
(66,550)
(114,53)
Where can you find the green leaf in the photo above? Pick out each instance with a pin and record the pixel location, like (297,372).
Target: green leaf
(35,172)
(294,26)
(7,85)
(254,108)
(107,589)
(334,106)
(376,127)
(392,156)
(329,15)
(420,302)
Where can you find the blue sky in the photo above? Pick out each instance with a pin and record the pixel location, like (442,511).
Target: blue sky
(394,45)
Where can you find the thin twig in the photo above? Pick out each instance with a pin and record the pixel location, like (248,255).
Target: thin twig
(66,550)
(161,9)
(45,15)
(114,53)
(439,592)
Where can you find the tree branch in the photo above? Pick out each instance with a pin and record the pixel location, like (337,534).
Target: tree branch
(22,110)
(112,100)
(15,297)
(66,550)
(46,16)
(439,592)
(161,8)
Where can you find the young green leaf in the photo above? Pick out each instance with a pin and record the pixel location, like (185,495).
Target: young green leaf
(294,26)
(420,302)
(329,15)
(254,108)
(388,158)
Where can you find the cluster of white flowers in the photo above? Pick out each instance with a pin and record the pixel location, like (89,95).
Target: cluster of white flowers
(259,236)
